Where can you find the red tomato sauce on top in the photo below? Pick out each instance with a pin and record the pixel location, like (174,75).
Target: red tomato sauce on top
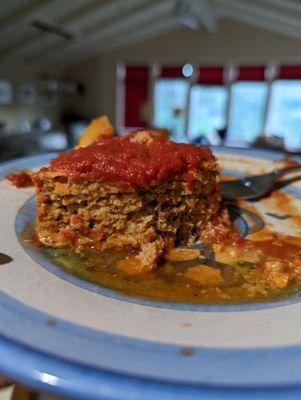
(125,164)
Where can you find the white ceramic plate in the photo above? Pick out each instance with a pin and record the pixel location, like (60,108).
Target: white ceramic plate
(62,334)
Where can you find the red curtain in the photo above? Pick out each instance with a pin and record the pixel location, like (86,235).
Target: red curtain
(211,75)
(251,73)
(290,72)
(136,95)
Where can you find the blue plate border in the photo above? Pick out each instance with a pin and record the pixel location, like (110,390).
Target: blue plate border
(45,370)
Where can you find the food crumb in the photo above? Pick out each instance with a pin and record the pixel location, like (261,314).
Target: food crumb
(22,179)
(51,322)
(187,351)
(186,325)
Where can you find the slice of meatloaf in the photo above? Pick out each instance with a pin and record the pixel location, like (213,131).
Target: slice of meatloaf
(134,191)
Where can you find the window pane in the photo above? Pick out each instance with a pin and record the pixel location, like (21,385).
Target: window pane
(247,107)
(170,101)
(207,111)
(284,118)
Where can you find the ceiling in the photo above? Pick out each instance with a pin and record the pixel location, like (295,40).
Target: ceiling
(63,32)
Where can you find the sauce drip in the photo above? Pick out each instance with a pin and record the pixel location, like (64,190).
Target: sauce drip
(21,179)
(123,163)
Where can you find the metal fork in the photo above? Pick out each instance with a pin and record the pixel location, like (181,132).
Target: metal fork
(254,186)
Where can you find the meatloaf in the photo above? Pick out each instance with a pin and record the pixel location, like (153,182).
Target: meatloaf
(136,191)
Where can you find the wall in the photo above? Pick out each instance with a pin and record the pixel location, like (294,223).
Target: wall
(232,42)
(89,74)
(14,113)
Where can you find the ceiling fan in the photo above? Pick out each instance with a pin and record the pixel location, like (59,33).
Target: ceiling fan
(195,13)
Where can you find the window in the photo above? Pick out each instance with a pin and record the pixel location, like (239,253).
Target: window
(247,109)
(170,103)
(207,111)
(284,117)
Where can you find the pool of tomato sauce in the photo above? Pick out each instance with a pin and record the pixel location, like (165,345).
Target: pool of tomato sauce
(177,277)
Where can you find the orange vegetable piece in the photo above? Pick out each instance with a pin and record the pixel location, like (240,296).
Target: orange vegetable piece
(205,275)
(98,127)
(131,266)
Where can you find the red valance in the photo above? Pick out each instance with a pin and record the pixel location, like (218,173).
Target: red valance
(289,72)
(171,72)
(251,73)
(136,73)
(211,75)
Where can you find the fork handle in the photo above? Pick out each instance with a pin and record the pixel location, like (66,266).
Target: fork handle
(287,170)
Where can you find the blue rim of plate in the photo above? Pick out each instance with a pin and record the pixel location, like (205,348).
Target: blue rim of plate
(48,371)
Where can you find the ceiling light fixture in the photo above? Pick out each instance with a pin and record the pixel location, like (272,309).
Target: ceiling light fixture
(53,29)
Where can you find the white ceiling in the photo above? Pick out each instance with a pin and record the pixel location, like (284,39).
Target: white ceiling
(98,26)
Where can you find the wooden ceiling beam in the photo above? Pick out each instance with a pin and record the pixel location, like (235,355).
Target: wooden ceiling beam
(111,31)
(21,12)
(146,32)
(258,11)
(13,25)
(286,5)
(20,32)
(98,12)
(258,21)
